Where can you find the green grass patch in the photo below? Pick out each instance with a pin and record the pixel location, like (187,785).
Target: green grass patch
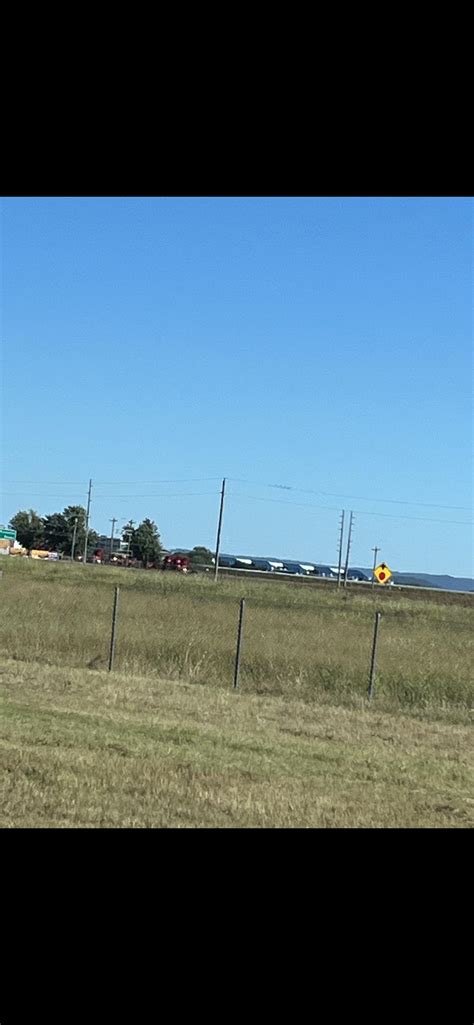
(304,642)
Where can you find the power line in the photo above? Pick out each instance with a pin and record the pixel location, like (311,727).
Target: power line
(161,494)
(60,483)
(238,480)
(131,497)
(163,480)
(80,483)
(360,512)
(280,501)
(359,498)
(255,498)
(38,494)
(420,519)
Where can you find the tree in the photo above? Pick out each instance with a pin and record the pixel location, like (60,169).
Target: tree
(71,513)
(201,555)
(146,543)
(29,528)
(92,542)
(59,531)
(128,534)
(56,532)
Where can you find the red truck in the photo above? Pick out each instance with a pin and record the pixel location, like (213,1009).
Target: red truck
(179,563)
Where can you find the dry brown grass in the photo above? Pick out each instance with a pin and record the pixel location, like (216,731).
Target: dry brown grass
(94,749)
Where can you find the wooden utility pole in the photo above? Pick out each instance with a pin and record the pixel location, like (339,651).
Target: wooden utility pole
(219,525)
(113,522)
(87,521)
(375,550)
(349,538)
(341,534)
(74,539)
(129,536)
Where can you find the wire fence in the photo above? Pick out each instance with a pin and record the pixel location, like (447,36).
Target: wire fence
(312,642)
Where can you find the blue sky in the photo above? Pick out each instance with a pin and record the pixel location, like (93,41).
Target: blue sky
(159,344)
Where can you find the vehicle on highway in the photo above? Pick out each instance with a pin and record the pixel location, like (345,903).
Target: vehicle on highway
(227,561)
(179,563)
(301,569)
(267,565)
(357,574)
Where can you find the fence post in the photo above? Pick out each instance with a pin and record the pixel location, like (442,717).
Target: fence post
(114,628)
(239,642)
(374,655)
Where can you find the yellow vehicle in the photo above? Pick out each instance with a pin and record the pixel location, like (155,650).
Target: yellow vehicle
(8,547)
(38,553)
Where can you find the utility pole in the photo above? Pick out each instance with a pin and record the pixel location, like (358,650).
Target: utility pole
(219,525)
(374,550)
(349,538)
(87,521)
(74,539)
(129,537)
(341,534)
(113,522)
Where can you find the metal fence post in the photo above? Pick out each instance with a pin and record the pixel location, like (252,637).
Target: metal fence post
(114,629)
(239,642)
(374,655)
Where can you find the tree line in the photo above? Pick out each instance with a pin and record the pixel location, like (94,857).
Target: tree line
(57,532)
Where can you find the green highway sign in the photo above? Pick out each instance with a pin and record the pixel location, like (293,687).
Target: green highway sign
(7,535)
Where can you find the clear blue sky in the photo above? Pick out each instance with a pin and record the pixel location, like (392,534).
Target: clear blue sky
(318,343)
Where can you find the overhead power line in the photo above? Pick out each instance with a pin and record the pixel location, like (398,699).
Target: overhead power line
(130,497)
(52,483)
(360,512)
(162,494)
(359,498)
(38,494)
(163,480)
(237,480)
(280,501)
(82,483)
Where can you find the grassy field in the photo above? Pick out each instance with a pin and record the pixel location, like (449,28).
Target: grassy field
(99,749)
(164,741)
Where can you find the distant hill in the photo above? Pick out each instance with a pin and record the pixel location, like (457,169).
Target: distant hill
(447,583)
(432,580)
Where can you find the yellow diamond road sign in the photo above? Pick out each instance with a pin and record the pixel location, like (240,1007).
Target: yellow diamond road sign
(382,573)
